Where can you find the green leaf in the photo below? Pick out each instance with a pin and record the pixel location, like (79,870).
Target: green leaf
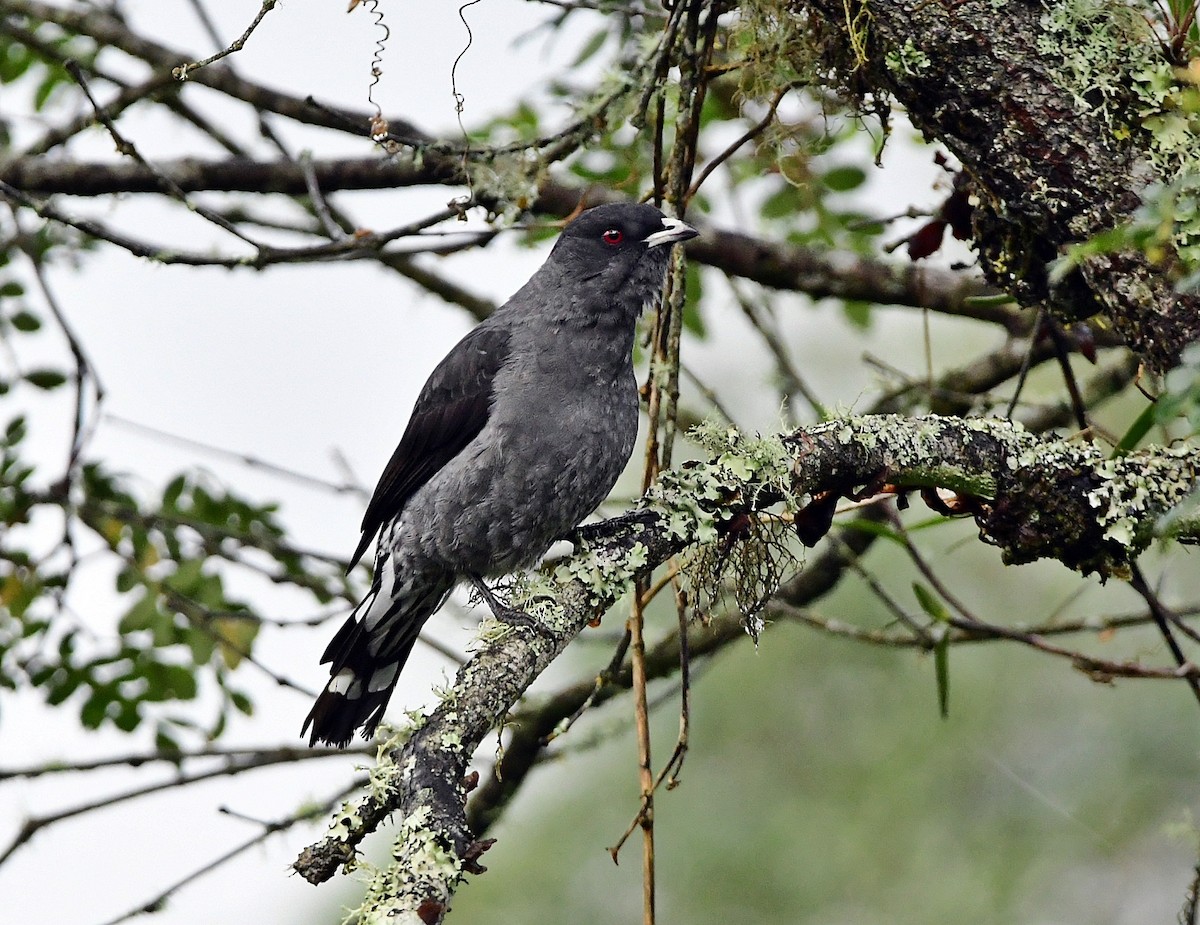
(169,682)
(187,578)
(930,603)
(141,616)
(989,301)
(242,702)
(182,682)
(46,379)
(236,638)
(170,500)
(127,579)
(95,708)
(783,202)
(941,668)
(883,531)
(128,716)
(19,589)
(165,743)
(15,59)
(1137,430)
(14,433)
(590,47)
(844,179)
(933,606)
(858,313)
(63,683)
(51,82)
(25,321)
(201,643)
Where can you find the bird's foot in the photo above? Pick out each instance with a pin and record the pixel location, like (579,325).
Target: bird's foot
(513,616)
(587,533)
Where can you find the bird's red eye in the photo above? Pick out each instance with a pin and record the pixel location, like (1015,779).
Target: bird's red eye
(613,236)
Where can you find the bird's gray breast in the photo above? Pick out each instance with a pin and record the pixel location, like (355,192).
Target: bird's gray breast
(562,426)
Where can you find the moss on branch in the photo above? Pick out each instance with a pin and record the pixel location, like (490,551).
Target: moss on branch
(1034,497)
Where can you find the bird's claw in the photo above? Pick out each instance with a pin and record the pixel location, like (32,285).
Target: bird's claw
(587,533)
(513,616)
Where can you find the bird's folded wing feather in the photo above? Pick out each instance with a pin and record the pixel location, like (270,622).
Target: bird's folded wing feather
(450,411)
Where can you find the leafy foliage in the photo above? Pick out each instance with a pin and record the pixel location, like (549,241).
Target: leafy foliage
(180,629)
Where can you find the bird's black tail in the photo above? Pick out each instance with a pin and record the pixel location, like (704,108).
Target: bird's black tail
(348,701)
(367,655)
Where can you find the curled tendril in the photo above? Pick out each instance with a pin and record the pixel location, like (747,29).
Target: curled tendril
(376,60)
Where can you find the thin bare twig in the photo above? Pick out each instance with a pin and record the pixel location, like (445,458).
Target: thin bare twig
(183,71)
(1062,351)
(707,393)
(790,381)
(156,903)
(1034,337)
(280,754)
(332,229)
(246,459)
(126,147)
(1163,619)
(355,247)
(749,135)
(920,633)
(85,370)
(35,824)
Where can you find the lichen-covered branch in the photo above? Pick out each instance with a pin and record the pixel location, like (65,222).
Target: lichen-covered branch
(425,778)
(1037,100)
(1033,496)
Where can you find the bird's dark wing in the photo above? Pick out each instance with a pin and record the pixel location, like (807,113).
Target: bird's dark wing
(450,411)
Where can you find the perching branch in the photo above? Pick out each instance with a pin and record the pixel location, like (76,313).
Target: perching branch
(995,465)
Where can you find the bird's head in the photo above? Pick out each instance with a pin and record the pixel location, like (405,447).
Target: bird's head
(622,248)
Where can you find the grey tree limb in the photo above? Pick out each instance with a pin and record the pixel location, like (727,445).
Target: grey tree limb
(1100,512)
(820,273)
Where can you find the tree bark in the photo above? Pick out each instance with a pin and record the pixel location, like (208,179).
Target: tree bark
(1047,171)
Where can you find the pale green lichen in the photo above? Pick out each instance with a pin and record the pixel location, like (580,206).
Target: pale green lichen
(604,578)
(1106,54)
(539,593)
(1093,47)
(345,820)
(694,498)
(1168,223)
(418,857)
(381,777)
(535,593)
(907,60)
(1137,490)
(762,464)
(699,501)
(772,45)
(489,632)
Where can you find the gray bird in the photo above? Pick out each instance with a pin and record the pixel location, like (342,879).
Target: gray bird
(519,434)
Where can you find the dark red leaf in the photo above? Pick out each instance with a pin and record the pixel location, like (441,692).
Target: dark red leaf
(926,240)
